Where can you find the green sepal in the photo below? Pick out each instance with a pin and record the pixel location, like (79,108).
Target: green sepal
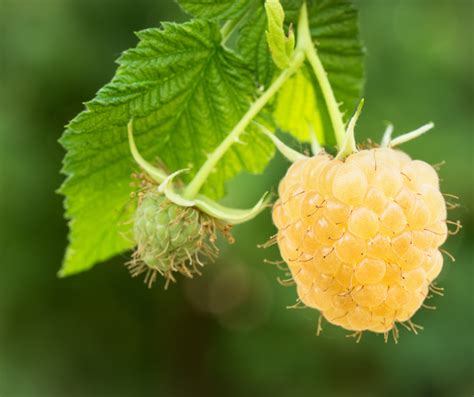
(157,174)
(218,211)
(349,144)
(291,154)
(232,216)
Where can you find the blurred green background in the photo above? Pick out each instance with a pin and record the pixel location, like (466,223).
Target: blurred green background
(228,333)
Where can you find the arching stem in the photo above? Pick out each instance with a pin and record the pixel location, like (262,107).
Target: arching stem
(200,178)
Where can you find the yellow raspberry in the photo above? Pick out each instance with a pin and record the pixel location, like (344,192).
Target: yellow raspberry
(361,237)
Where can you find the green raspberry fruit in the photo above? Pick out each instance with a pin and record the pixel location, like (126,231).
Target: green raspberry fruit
(170,238)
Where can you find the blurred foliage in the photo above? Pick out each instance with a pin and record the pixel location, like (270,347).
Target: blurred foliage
(227,333)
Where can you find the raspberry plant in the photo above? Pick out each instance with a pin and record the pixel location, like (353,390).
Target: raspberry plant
(195,104)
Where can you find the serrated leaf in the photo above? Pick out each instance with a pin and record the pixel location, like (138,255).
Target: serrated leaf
(214,9)
(185,93)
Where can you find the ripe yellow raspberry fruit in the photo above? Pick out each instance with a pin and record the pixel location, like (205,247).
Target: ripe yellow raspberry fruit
(361,236)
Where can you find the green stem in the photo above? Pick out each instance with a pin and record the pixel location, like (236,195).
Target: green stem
(193,188)
(305,41)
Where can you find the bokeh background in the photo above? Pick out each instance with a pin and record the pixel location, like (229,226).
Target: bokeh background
(228,333)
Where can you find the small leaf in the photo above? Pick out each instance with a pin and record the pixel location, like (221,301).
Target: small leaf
(298,107)
(253,44)
(281,46)
(215,9)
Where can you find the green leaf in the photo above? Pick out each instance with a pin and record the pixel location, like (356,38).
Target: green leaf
(253,46)
(185,92)
(297,109)
(215,9)
(335,33)
(281,46)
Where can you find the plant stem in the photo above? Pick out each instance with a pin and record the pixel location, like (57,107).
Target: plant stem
(193,188)
(306,43)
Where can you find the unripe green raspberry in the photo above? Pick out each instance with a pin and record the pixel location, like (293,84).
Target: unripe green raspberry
(170,238)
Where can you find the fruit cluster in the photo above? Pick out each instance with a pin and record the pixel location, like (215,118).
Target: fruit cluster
(361,236)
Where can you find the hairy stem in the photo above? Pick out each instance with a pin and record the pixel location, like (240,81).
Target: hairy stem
(193,188)
(305,41)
